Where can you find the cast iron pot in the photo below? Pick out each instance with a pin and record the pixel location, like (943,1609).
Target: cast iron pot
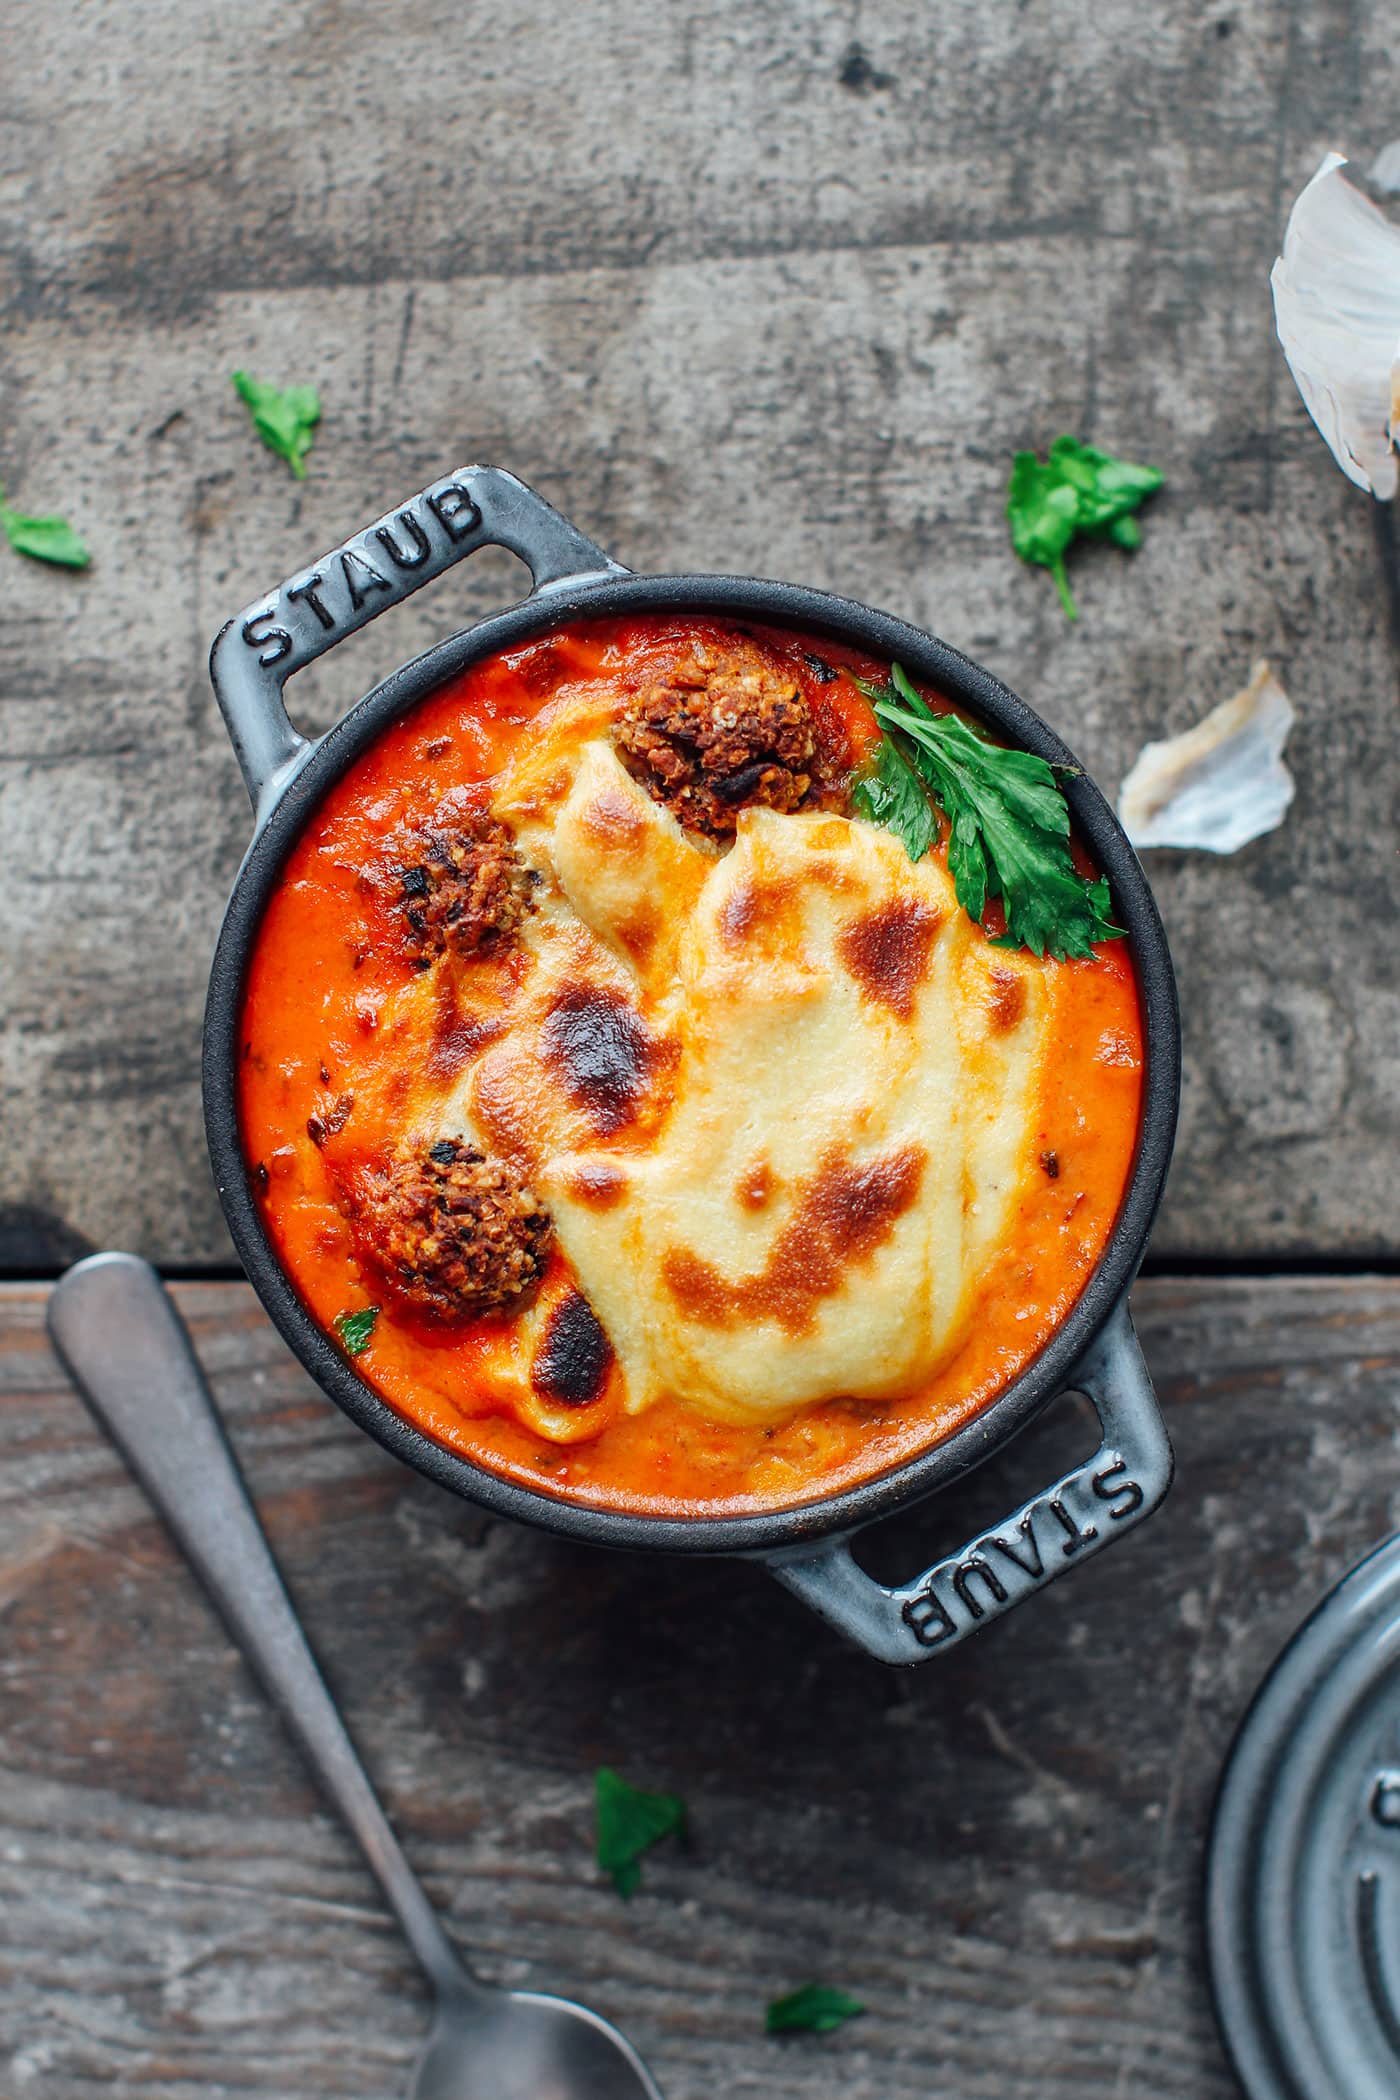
(1095,1350)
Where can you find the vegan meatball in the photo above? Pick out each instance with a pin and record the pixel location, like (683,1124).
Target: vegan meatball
(727,726)
(455,1233)
(467,890)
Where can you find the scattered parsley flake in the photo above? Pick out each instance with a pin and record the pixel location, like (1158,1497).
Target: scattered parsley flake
(1008,823)
(43,539)
(1078,491)
(355,1329)
(629,1822)
(285,418)
(814,2009)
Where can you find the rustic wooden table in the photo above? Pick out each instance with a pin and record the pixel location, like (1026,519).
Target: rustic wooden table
(739,287)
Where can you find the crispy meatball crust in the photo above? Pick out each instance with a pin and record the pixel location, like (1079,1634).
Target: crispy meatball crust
(727,727)
(468,889)
(456,1234)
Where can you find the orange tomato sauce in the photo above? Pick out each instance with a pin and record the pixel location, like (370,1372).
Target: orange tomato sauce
(328,954)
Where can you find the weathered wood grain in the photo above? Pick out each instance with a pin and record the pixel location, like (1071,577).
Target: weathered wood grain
(1000,1853)
(743,286)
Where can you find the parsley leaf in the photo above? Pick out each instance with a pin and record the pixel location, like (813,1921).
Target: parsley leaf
(1078,490)
(892,794)
(814,2009)
(43,539)
(1044,514)
(629,1822)
(355,1329)
(284,418)
(1008,826)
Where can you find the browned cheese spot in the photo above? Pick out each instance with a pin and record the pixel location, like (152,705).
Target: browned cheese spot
(1008,1004)
(598,1185)
(834,875)
(499,1109)
(457,1034)
(638,934)
(887,952)
(843,1214)
(457,1045)
(603,1052)
(545,795)
(756,1185)
(573,1364)
(613,820)
(737,914)
(755,908)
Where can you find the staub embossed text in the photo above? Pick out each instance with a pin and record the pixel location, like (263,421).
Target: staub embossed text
(999,1569)
(337,595)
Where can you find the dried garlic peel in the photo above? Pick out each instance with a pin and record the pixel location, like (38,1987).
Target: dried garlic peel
(1337,308)
(1218,785)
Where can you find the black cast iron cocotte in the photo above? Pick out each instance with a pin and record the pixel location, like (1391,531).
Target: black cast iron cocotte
(1094,1350)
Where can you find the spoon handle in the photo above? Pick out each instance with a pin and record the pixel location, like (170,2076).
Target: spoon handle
(127,1351)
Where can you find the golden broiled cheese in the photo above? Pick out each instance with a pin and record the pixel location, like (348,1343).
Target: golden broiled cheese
(778,1102)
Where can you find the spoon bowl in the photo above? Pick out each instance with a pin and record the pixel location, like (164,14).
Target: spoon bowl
(524,2045)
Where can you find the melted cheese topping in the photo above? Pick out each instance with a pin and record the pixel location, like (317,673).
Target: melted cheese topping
(778,1103)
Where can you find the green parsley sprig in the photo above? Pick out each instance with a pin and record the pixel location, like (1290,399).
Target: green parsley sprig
(43,539)
(1079,492)
(893,792)
(285,418)
(1008,823)
(629,1822)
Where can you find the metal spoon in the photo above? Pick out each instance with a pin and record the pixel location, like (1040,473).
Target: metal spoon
(127,1351)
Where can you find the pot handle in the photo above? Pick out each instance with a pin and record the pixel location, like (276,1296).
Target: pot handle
(1085,1510)
(256,653)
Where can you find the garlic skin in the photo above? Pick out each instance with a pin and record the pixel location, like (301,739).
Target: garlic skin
(1220,784)
(1385,168)
(1336,293)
